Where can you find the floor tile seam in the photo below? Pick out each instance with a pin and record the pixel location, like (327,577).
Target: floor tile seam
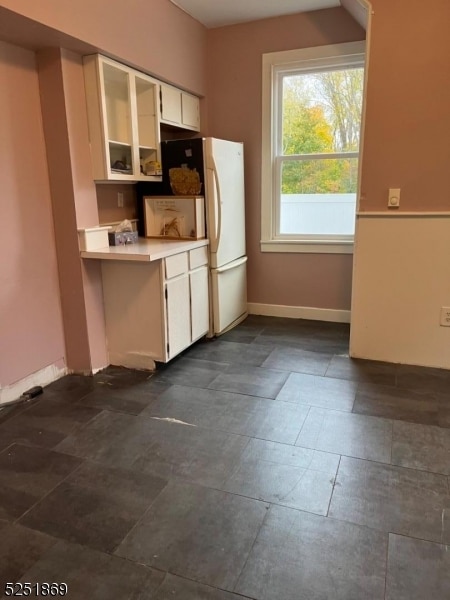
(295,371)
(284,464)
(22,577)
(385,532)
(340,410)
(392,442)
(111,553)
(343,455)
(251,396)
(386,566)
(410,537)
(379,462)
(218,488)
(84,396)
(354,398)
(226,431)
(266,516)
(301,429)
(396,464)
(336,410)
(402,420)
(334,486)
(84,547)
(113,410)
(64,480)
(142,516)
(214,587)
(355,480)
(416,391)
(19,444)
(210,389)
(20,402)
(212,428)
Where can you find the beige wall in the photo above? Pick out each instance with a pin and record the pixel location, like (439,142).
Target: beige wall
(31,331)
(234,112)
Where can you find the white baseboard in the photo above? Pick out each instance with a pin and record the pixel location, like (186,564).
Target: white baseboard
(43,377)
(299,312)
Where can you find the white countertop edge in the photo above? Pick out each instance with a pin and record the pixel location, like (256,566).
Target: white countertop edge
(99,228)
(146,250)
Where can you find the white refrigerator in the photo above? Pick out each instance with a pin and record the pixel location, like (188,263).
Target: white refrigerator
(221,167)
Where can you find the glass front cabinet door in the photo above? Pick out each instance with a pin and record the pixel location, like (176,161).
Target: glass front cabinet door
(123,118)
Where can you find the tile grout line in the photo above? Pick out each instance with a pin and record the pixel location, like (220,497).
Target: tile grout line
(301,429)
(268,511)
(82,462)
(334,485)
(387,564)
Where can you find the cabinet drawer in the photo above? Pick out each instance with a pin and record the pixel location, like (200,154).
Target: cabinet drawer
(198,257)
(176,265)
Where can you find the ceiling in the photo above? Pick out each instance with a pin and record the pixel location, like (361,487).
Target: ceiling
(217,13)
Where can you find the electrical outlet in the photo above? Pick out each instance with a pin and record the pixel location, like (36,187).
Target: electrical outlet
(394,198)
(445,316)
(120,199)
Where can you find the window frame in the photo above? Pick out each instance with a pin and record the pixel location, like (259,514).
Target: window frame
(275,65)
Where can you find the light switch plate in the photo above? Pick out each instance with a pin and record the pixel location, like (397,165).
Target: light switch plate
(394,198)
(445,316)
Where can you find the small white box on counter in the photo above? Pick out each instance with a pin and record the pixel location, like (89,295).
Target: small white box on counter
(93,238)
(175,217)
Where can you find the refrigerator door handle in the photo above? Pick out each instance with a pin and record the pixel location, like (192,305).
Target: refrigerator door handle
(233,265)
(219,207)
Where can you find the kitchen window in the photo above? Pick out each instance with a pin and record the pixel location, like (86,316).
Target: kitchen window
(312,105)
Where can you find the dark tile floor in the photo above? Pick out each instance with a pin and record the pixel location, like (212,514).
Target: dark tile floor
(265,464)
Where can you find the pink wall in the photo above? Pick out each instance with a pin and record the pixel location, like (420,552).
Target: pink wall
(408,99)
(155,35)
(31,331)
(234,112)
(74,205)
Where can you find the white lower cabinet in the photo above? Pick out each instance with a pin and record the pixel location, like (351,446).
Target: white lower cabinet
(178,318)
(154,310)
(199,290)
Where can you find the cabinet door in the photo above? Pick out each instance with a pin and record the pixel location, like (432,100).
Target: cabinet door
(147,128)
(199,302)
(190,111)
(170,104)
(123,119)
(178,315)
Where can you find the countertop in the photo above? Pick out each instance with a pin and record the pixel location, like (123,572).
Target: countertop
(146,250)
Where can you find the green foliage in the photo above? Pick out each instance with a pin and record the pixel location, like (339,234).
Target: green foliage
(321,115)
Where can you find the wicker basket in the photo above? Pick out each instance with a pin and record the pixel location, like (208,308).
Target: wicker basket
(185,182)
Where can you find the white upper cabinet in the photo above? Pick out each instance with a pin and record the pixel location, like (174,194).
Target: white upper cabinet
(122,106)
(179,108)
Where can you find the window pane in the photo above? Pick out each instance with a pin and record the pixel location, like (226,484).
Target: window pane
(318,196)
(322,112)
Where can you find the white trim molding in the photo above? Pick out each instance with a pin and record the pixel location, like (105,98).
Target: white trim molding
(299,312)
(13,392)
(284,246)
(274,64)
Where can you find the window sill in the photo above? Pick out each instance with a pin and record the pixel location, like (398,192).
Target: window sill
(319,247)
